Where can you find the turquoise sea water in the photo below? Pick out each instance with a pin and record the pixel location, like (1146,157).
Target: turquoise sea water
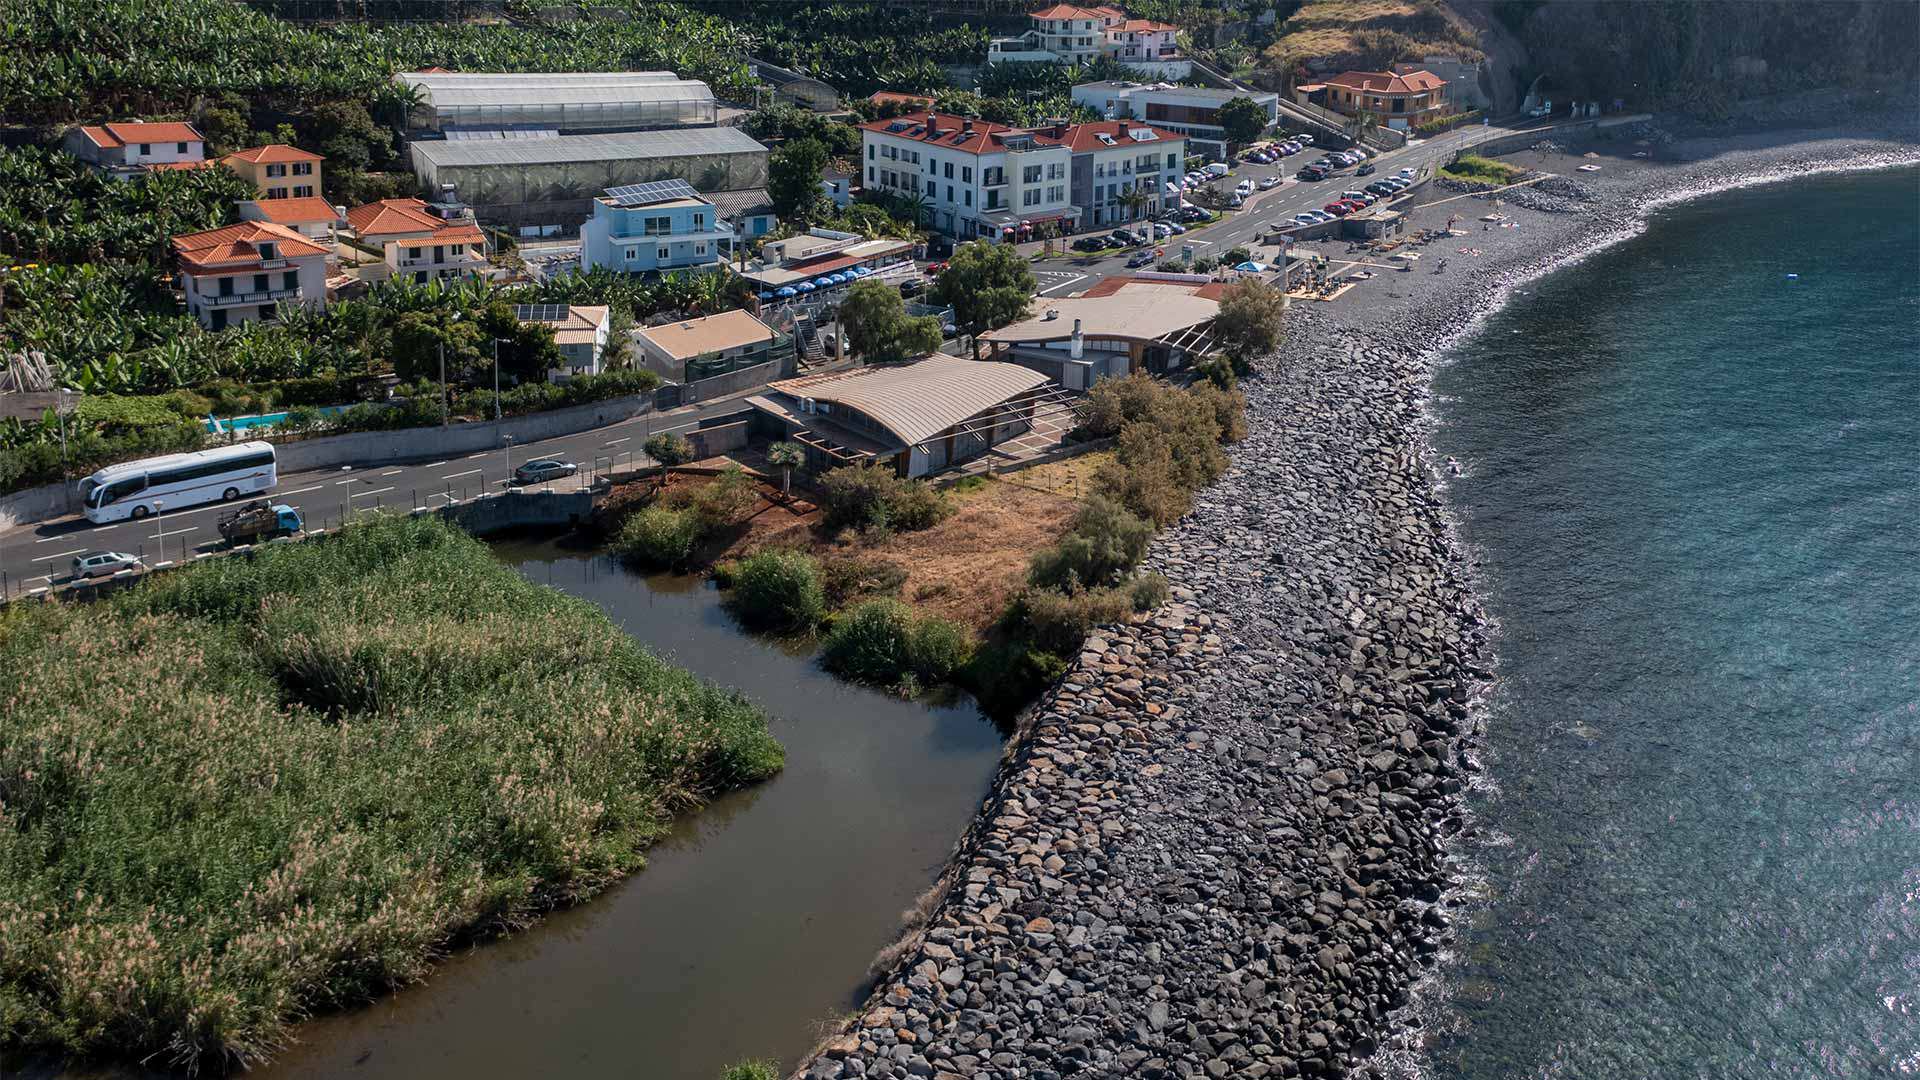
(1694,485)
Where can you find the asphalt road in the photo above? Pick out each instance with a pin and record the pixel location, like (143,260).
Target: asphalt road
(1072,274)
(34,556)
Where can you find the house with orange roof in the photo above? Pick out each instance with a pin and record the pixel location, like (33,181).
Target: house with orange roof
(974,178)
(249,272)
(311,217)
(1398,100)
(278,171)
(1121,169)
(1075,34)
(422,241)
(124,151)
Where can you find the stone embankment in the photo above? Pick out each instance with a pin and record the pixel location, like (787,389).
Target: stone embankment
(1215,850)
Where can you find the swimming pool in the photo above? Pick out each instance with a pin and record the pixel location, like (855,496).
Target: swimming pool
(215,425)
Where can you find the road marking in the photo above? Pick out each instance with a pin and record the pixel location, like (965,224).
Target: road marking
(544,457)
(58,555)
(301,491)
(1075,279)
(458,475)
(618,441)
(337,483)
(390,472)
(481,454)
(364,494)
(436,465)
(55,539)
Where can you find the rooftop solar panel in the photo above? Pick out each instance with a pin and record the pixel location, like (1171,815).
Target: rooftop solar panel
(657,191)
(541,313)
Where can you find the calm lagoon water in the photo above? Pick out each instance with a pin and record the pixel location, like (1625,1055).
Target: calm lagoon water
(1694,485)
(756,920)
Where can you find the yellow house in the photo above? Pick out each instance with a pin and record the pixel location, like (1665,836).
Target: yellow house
(280,172)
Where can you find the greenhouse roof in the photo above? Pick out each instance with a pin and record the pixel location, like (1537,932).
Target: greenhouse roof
(681,142)
(456,90)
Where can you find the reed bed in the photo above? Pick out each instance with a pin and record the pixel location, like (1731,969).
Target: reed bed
(264,787)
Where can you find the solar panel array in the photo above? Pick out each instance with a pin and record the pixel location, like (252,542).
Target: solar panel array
(657,191)
(540,313)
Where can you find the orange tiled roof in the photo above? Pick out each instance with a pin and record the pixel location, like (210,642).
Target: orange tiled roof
(395,218)
(296,211)
(1142,26)
(178,166)
(113,136)
(1068,11)
(238,246)
(948,132)
(275,154)
(1386,82)
(1085,137)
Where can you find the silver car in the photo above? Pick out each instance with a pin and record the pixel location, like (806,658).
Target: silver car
(104,564)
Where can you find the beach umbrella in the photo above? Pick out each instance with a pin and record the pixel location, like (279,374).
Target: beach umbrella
(837,279)
(783,291)
(805,286)
(765,295)
(1250,267)
(861,271)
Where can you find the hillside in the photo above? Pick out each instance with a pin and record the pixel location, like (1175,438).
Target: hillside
(1338,35)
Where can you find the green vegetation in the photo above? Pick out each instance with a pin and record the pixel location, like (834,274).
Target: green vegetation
(657,537)
(1368,35)
(989,285)
(260,787)
(879,328)
(1476,169)
(793,182)
(752,1070)
(1252,317)
(880,641)
(1243,121)
(874,499)
(664,534)
(778,590)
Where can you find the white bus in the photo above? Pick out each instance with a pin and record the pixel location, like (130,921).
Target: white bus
(137,488)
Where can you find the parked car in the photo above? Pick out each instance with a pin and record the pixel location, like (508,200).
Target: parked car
(104,563)
(1196,214)
(543,470)
(1092,243)
(1364,198)
(1161,232)
(1236,202)
(1338,209)
(1140,258)
(1304,219)
(1545,108)
(1406,172)
(1121,236)
(1171,225)
(1312,172)
(936,269)
(1380,189)
(912,287)
(1366,169)
(1268,182)
(1216,169)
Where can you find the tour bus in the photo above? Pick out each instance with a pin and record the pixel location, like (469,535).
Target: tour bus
(138,488)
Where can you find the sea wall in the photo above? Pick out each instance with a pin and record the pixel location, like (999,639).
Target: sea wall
(1218,847)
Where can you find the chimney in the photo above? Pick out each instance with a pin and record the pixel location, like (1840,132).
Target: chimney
(966,126)
(1059,129)
(1079,344)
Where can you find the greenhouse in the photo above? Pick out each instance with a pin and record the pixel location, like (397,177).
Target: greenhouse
(548,184)
(565,102)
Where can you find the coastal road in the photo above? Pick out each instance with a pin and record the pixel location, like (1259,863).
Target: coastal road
(34,556)
(1244,227)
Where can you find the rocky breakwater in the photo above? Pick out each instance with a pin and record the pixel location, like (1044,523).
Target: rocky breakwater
(1215,849)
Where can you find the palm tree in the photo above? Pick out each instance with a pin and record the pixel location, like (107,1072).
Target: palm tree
(788,456)
(1363,124)
(1133,199)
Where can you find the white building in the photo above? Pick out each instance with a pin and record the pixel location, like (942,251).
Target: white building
(248,272)
(123,151)
(1189,110)
(580,331)
(977,179)
(1071,34)
(695,349)
(1114,157)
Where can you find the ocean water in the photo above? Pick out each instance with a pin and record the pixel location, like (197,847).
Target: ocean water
(1693,486)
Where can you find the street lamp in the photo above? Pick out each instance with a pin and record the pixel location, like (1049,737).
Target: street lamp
(496,380)
(446,404)
(509,445)
(160,530)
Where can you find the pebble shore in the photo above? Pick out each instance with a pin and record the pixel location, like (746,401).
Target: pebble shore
(1219,848)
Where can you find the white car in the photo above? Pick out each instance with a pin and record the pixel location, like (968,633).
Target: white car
(1268,182)
(1407,172)
(1161,231)
(104,564)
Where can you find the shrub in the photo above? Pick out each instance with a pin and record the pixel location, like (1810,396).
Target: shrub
(1058,622)
(1229,408)
(1144,478)
(657,537)
(847,579)
(1148,591)
(669,449)
(778,590)
(1113,402)
(752,1070)
(917,505)
(1218,370)
(855,496)
(1005,675)
(939,647)
(1104,542)
(724,501)
(872,643)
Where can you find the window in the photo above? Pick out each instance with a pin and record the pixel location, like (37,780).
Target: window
(969,196)
(1030,174)
(700,221)
(966,174)
(146,149)
(870,149)
(226,286)
(179,148)
(664,254)
(1057,193)
(290,279)
(700,249)
(656,226)
(303,168)
(870,174)
(277,193)
(276,170)
(1030,197)
(1173,161)
(304,191)
(457,250)
(632,254)
(259,283)
(1057,171)
(949,170)
(413,253)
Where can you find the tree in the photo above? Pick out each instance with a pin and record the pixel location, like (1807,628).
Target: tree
(1242,120)
(1363,124)
(1134,199)
(347,135)
(527,350)
(988,285)
(786,456)
(793,181)
(1252,315)
(419,338)
(877,323)
(669,450)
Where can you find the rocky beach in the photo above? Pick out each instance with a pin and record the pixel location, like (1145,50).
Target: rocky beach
(1221,847)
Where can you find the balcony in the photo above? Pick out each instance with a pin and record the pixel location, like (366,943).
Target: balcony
(248,299)
(454,262)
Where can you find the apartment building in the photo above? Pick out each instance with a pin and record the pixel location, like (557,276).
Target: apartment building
(420,240)
(278,171)
(124,151)
(1192,111)
(1071,34)
(663,225)
(973,179)
(1115,158)
(249,272)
